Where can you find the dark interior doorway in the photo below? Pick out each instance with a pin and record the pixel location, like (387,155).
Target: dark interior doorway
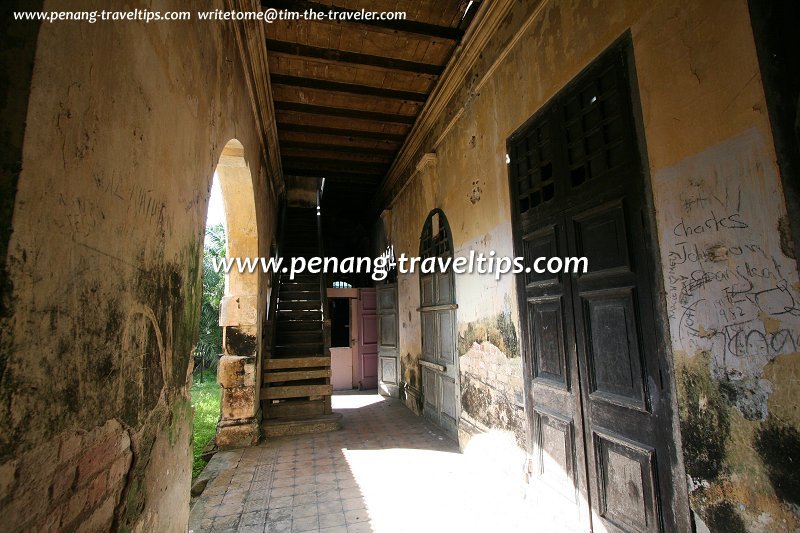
(340,322)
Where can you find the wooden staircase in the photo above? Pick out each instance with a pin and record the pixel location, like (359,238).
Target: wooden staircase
(296,385)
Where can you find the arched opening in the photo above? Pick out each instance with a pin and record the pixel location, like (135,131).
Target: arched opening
(236,185)
(439,364)
(229,412)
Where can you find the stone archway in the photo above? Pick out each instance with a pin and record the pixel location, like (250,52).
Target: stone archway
(238,371)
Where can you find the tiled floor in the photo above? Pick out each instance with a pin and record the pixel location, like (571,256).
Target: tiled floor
(386,470)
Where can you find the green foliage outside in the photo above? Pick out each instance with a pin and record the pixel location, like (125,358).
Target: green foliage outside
(205,390)
(209,344)
(205,397)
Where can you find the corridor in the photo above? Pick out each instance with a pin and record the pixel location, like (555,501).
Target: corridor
(558,240)
(385,470)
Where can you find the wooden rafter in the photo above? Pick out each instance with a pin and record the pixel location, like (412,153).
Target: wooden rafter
(336,165)
(360,180)
(404,26)
(302,145)
(343,112)
(355,58)
(341,132)
(351,88)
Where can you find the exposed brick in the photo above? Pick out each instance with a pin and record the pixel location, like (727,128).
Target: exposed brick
(97,491)
(62,483)
(97,458)
(100,519)
(75,506)
(119,470)
(71,444)
(53,520)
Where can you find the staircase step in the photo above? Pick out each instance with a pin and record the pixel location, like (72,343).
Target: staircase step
(301,278)
(297,362)
(301,305)
(298,349)
(288,313)
(294,407)
(286,337)
(295,391)
(300,325)
(296,285)
(302,296)
(301,425)
(295,375)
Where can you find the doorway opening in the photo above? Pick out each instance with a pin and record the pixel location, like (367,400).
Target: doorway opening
(598,404)
(440,378)
(342,353)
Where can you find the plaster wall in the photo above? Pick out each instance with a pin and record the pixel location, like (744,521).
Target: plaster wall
(708,146)
(126,123)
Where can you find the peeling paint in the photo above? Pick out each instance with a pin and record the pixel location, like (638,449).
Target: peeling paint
(499,330)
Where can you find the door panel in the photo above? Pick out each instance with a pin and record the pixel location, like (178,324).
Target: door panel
(556,447)
(387,340)
(431,394)
(626,474)
(445,329)
(614,355)
(444,288)
(448,410)
(368,338)
(342,368)
(427,296)
(429,336)
(549,356)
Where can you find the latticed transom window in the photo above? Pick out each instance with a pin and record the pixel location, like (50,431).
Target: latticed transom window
(532,158)
(594,128)
(435,239)
(578,137)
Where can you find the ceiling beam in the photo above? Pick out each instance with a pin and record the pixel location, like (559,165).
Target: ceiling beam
(355,58)
(335,165)
(366,180)
(343,112)
(341,14)
(341,132)
(322,147)
(350,88)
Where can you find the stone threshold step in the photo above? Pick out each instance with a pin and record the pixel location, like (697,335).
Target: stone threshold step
(301,425)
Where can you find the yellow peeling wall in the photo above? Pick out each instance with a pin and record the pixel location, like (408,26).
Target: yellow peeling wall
(125,126)
(710,157)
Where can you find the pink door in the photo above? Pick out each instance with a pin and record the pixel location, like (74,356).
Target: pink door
(368,339)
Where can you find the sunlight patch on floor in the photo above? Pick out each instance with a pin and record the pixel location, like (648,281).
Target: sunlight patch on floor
(355,400)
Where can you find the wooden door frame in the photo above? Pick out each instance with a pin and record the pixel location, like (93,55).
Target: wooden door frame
(672,446)
(436,308)
(352,294)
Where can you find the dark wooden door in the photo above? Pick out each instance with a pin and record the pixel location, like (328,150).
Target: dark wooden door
(367,339)
(598,389)
(388,365)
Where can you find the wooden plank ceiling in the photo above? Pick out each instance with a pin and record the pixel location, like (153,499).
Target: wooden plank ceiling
(347,93)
